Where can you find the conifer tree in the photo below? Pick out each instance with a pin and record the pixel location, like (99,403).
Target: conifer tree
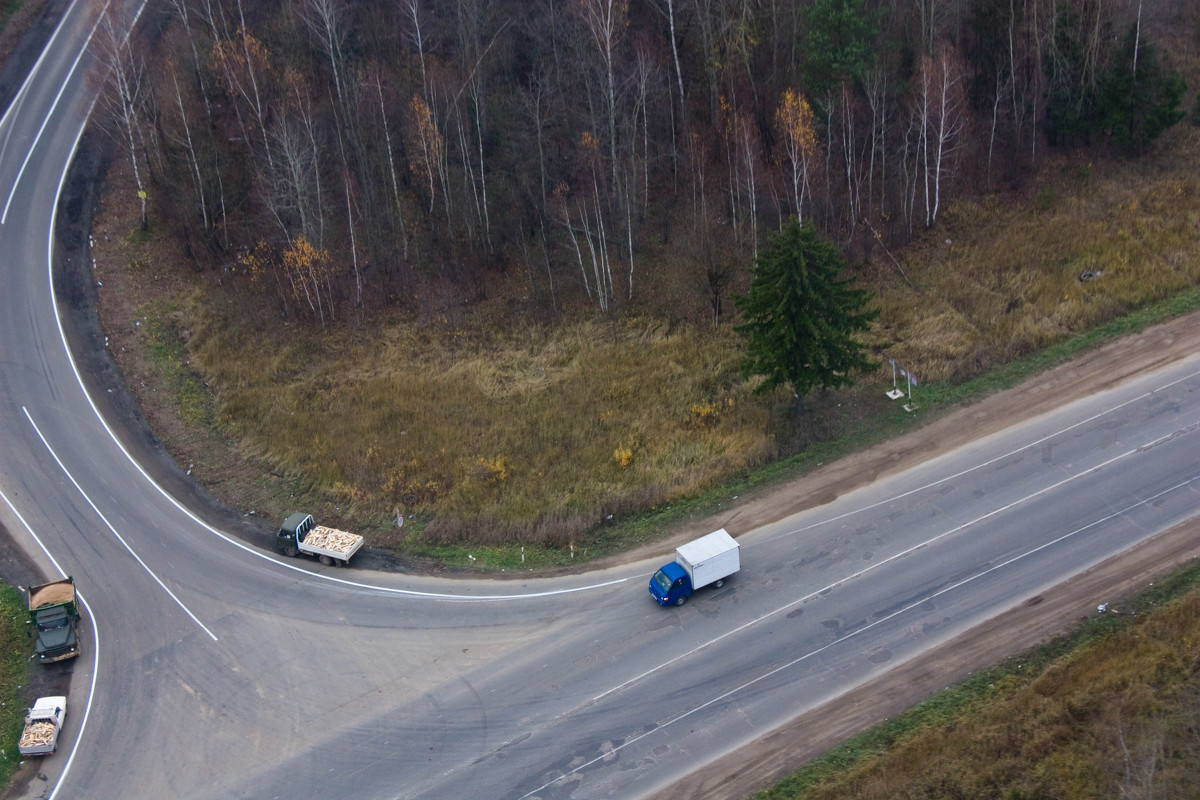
(801,315)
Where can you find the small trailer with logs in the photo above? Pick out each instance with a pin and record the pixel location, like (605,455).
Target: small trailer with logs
(299,533)
(43,723)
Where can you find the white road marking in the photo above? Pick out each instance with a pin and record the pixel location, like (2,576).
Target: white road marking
(187,512)
(725,695)
(888,560)
(87,708)
(50,113)
(984,464)
(115,533)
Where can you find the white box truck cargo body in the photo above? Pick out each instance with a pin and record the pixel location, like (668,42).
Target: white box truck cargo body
(710,558)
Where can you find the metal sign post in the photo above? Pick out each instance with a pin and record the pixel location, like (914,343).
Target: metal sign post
(896,392)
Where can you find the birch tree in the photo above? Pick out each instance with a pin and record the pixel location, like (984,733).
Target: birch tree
(795,126)
(124,95)
(606,20)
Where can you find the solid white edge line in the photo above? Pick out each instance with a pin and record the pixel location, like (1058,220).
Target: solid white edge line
(727,694)
(20,95)
(49,113)
(87,708)
(987,463)
(113,528)
(895,557)
(252,551)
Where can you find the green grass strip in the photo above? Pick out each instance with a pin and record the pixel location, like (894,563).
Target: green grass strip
(15,648)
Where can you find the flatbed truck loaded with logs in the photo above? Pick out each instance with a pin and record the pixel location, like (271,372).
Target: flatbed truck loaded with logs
(300,533)
(43,723)
(53,612)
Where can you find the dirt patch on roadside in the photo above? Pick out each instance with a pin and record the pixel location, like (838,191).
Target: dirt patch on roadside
(774,756)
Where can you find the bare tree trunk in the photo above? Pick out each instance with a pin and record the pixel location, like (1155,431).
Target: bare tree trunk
(181,9)
(875,84)
(678,71)
(387,139)
(418,41)
(1000,84)
(587,287)
(749,153)
(358,286)
(257,104)
(197,179)
(124,97)
(848,141)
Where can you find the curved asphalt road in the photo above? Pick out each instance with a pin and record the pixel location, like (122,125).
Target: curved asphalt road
(214,670)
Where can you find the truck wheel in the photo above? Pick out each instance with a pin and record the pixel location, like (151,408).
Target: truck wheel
(719,583)
(682,599)
(327,561)
(291,552)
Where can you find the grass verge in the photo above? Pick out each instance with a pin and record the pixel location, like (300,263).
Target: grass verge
(14,661)
(1108,709)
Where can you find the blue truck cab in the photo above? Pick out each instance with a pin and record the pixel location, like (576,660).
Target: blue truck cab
(671,585)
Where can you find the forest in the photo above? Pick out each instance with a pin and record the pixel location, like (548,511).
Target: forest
(344,158)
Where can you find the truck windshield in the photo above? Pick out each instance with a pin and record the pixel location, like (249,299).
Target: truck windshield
(661,581)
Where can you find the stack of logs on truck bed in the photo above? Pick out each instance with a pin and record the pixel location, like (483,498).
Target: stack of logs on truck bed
(37,734)
(330,539)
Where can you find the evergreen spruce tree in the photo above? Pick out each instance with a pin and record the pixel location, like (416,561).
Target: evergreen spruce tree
(801,315)
(1139,95)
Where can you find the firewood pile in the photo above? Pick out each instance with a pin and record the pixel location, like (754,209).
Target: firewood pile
(37,734)
(330,539)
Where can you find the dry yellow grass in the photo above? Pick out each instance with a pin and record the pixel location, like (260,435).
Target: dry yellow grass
(494,434)
(1113,718)
(504,434)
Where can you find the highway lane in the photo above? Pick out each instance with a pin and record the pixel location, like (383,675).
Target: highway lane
(220,673)
(824,602)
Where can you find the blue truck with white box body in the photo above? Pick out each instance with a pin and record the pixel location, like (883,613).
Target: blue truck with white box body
(707,560)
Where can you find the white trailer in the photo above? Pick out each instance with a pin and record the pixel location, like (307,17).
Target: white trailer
(43,723)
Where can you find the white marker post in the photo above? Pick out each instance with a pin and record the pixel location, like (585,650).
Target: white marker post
(896,392)
(910,406)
